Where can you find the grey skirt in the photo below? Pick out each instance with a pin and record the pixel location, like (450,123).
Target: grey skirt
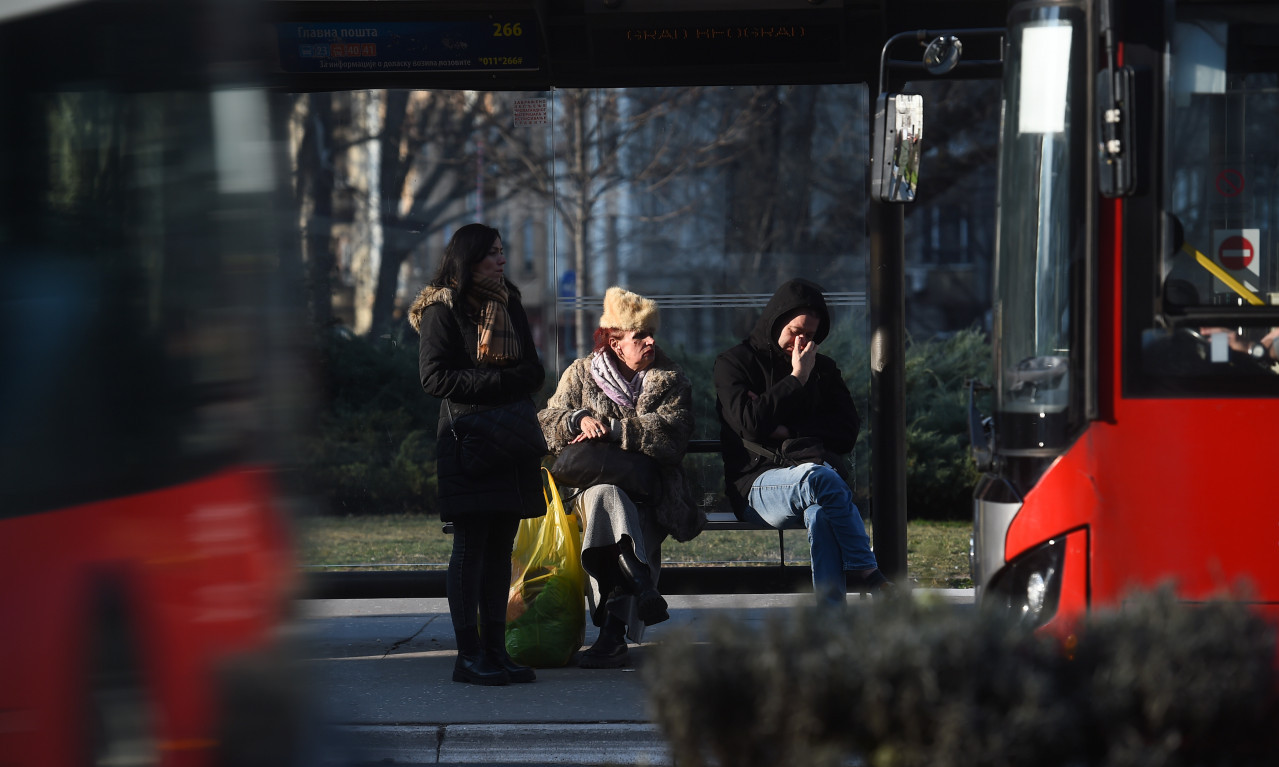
(608,519)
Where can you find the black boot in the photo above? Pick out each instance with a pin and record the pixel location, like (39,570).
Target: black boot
(494,641)
(609,650)
(650,605)
(873,582)
(478,669)
(472,666)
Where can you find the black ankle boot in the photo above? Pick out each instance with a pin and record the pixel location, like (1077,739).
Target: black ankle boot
(874,582)
(493,640)
(650,605)
(515,671)
(478,669)
(609,650)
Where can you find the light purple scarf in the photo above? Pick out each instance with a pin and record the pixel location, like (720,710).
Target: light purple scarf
(613,383)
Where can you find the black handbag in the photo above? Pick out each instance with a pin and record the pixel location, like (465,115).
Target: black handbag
(490,439)
(583,464)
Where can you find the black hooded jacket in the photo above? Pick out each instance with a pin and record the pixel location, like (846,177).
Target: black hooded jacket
(822,408)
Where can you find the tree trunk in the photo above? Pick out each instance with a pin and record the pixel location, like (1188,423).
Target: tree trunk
(315,201)
(365,266)
(396,244)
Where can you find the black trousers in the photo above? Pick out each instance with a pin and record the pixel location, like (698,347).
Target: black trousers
(479,579)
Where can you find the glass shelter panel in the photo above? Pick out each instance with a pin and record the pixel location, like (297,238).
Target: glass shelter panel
(706,199)
(703,198)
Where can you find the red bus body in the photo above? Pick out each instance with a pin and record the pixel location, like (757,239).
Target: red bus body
(1132,440)
(206,572)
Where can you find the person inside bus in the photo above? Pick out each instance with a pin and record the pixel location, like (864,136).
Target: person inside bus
(629,393)
(476,348)
(786,421)
(1260,350)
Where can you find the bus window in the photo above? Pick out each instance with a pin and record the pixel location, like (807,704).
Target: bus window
(1217,307)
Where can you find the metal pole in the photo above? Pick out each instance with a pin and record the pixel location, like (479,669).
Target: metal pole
(887,386)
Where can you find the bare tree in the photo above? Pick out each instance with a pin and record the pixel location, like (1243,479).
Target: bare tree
(429,145)
(610,140)
(574,174)
(404,162)
(311,129)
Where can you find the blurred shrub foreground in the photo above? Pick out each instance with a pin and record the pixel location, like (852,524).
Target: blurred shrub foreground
(899,685)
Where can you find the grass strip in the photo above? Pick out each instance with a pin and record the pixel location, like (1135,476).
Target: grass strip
(936,552)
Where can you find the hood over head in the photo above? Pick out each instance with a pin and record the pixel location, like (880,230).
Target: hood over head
(793,294)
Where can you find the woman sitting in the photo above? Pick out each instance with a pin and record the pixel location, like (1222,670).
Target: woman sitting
(630,393)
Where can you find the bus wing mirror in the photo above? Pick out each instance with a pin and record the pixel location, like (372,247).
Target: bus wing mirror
(899,126)
(980,435)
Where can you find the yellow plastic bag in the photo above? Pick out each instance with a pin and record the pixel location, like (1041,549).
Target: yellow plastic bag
(545,609)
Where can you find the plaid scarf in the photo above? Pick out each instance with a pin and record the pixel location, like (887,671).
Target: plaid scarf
(614,385)
(498,342)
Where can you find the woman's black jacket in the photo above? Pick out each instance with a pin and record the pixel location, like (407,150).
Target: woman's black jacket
(447,367)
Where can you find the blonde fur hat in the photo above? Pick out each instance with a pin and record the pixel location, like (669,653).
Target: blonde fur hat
(625,310)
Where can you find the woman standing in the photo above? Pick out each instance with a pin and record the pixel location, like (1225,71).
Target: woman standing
(476,349)
(630,393)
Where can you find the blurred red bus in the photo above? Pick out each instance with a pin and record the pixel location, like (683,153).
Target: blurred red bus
(145,562)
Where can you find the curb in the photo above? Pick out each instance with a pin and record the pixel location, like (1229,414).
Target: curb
(514,744)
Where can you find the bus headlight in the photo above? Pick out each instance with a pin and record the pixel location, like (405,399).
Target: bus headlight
(1030,585)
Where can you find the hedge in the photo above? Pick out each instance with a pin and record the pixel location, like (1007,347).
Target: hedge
(373,448)
(1158,684)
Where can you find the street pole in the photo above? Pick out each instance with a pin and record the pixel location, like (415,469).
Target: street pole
(887,386)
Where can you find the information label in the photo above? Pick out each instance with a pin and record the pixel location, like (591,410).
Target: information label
(457,46)
(530,112)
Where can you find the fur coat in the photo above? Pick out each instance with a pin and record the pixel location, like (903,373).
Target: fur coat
(659,426)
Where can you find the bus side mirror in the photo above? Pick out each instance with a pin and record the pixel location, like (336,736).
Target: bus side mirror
(899,126)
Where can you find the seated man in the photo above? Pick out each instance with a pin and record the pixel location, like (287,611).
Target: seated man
(786,420)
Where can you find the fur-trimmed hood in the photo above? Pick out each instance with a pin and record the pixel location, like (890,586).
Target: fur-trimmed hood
(431,294)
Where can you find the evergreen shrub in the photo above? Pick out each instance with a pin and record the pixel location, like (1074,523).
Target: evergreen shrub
(940,473)
(1160,684)
(372,450)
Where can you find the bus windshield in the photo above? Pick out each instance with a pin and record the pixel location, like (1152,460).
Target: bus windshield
(1041,228)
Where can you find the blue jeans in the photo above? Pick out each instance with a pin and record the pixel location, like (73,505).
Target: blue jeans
(815,494)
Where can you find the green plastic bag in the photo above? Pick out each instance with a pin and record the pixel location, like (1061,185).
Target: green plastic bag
(545,609)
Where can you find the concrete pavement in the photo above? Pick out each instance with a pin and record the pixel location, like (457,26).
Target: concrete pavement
(382,674)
